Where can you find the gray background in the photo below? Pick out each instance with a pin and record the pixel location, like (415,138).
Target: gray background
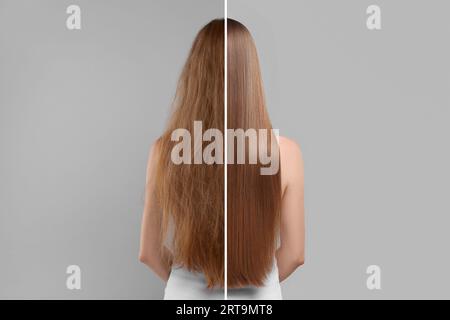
(79,109)
(370,110)
(78,113)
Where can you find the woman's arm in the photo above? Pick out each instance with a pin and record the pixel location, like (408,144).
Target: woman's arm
(291,253)
(150,251)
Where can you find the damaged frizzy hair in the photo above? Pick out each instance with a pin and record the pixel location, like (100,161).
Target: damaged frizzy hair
(192,196)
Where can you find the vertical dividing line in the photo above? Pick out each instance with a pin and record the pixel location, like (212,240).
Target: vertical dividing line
(225,91)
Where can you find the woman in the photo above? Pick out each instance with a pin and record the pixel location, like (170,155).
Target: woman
(182,237)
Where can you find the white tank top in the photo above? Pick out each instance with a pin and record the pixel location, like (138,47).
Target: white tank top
(186,285)
(183,284)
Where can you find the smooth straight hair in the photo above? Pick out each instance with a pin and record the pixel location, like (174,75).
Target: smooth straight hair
(192,196)
(254,200)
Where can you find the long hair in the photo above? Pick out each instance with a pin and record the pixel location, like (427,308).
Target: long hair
(191,196)
(253,200)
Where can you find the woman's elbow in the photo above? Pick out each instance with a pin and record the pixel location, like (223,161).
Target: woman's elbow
(143,258)
(149,259)
(299,260)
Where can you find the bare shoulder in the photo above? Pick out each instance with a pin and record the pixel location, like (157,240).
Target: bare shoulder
(153,156)
(290,150)
(291,163)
